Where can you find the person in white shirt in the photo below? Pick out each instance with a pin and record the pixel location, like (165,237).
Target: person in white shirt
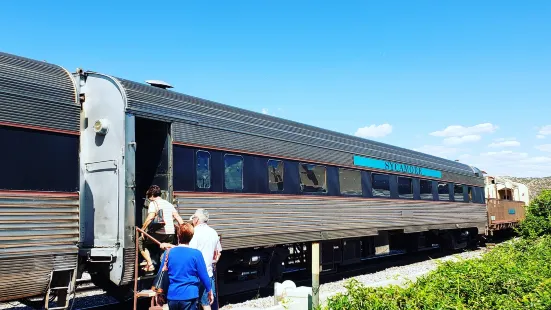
(167,233)
(206,240)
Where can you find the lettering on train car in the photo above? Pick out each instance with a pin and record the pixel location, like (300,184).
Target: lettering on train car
(396,167)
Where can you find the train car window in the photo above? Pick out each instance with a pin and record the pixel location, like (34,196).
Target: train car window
(481,195)
(405,188)
(275,175)
(350,182)
(380,185)
(458,192)
(233,172)
(443,191)
(202,169)
(426,189)
(312,178)
(45,161)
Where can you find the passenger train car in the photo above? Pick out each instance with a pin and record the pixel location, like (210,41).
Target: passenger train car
(80,150)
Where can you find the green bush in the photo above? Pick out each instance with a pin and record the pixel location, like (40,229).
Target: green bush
(514,275)
(538,217)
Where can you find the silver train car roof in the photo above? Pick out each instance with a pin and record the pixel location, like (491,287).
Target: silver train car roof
(198,121)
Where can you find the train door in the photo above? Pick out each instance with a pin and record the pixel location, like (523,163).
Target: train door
(153,162)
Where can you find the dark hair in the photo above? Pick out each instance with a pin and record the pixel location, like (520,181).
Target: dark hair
(154,191)
(185,233)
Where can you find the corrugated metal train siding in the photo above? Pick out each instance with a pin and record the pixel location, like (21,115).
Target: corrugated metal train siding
(37,94)
(38,234)
(504,211)
(29,276)
(256,220)
(147,100)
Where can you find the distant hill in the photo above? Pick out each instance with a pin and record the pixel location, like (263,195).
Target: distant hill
(535,185)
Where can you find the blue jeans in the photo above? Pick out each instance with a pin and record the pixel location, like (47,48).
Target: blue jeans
(190,304)
(204,295)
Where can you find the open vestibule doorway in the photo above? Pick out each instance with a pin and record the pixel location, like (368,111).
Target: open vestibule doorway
(153,162)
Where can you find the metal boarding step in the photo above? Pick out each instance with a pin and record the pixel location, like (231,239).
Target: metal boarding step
(146,293)
(147,277)
(61,285)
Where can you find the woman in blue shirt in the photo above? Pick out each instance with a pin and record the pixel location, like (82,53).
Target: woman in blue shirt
(186,267)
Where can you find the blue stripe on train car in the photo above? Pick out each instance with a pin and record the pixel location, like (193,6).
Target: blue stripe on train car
(396,167)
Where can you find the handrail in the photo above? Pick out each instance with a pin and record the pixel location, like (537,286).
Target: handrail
(215,271)
(148,236)
(136,269)
(139,230)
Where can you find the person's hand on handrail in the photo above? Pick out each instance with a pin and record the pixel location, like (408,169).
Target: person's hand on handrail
(165,246)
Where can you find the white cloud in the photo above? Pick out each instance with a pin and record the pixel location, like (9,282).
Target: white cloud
(540,136)
(545,130)
(504,139)
(459,131)
(437,150)
(510,163)
(537,160)
(374,131)
(461,140)
(505,155)
(265,111)
(504,143)
(544,147)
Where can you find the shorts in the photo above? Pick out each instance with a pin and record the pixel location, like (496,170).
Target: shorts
(204,295)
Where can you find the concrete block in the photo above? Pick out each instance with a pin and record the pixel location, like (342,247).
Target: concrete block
(299,298)
(280,290)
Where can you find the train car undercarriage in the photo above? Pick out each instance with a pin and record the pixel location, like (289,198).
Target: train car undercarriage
(256,268)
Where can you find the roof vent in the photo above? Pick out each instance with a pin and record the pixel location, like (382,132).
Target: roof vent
(158,83)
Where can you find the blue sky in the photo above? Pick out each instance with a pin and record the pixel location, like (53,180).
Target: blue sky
(400,72)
